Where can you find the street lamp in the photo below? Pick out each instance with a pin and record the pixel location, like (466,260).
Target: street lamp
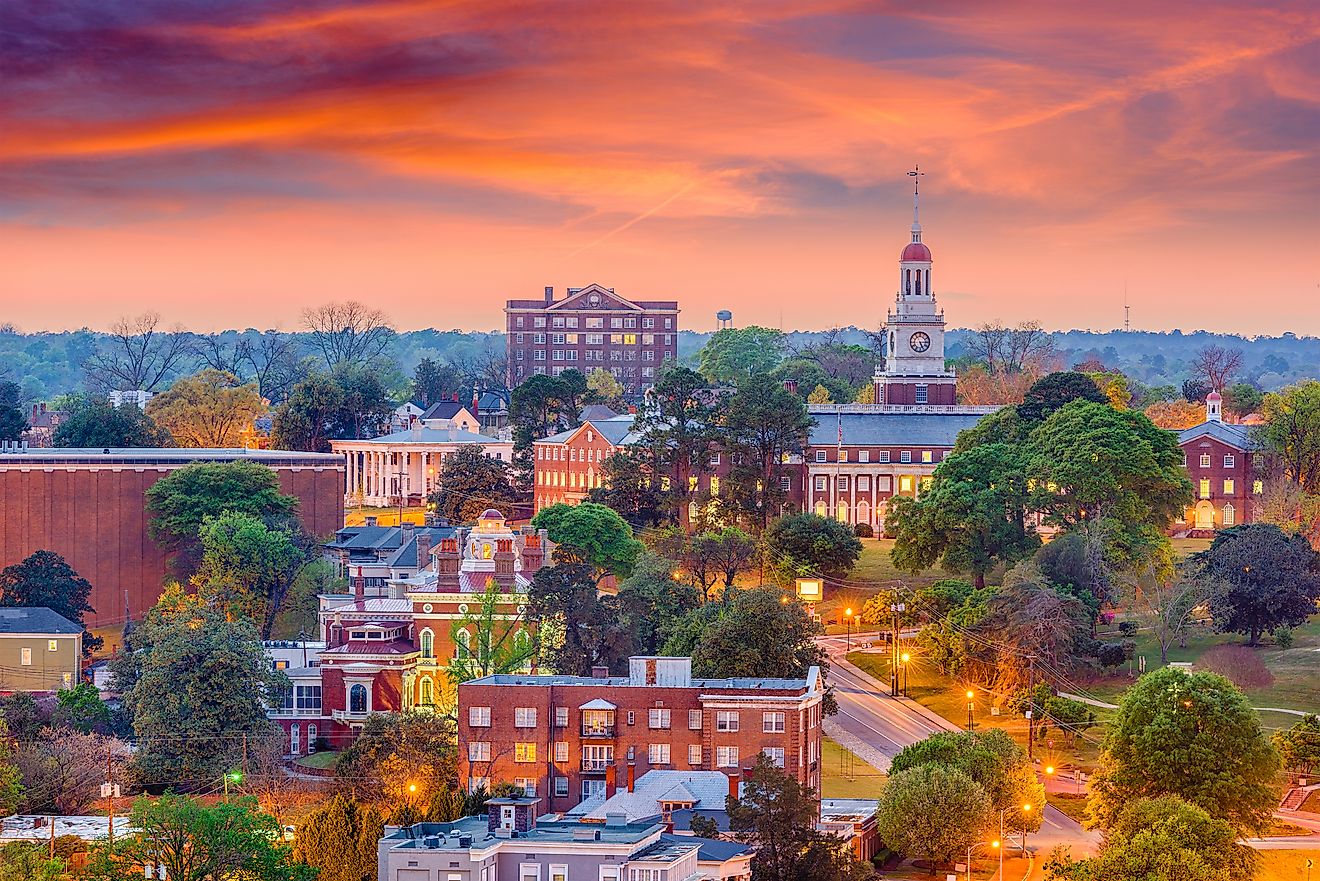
(1026,809)
(970,703)
(994,845)
(232,777)
(848,640)
(906,658)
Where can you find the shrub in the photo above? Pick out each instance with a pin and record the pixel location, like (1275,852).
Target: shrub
(1127,627)
(1239,664)
(1110,654)
(864,530)
(1283,637)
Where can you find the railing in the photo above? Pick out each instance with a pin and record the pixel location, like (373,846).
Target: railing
(349,715)
(597,730)
(596,765)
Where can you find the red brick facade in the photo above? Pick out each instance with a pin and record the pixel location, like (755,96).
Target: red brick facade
(566,737)
(90,508)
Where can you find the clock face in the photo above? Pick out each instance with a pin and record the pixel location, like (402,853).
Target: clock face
(919,342)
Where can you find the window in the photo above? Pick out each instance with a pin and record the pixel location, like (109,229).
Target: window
(561,717)
(524,717)
(864,483)
(558,338)
(1258,486)
(1205,488)
(527,785)
(694,720)
(561,787)
(922,393)
(843,455)
(884,456)
(726,720)
(561,751)
(1228,486)
(820,455)
(1184,459)
(905,483)
(25,657)
(53,645)
(1205,460)
(478,751)
(658,718)
(357,698)
(657,753)
(905,456)
(479,717)
(428,644)
(772,723)
(518,321)
(863,455)
(307,697)
(927,457)
(557,321)
(630,322)
(1230,516)
(538,321)
(524,752)
(775,754)
(820,484)
(726,756)
(426,693)
(694,755)
(1228,461)
(630,717)
(843,483)
(785,484)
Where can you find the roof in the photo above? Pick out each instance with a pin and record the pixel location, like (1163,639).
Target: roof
(616,430)
(165,456)
(915,252)
(369,538)
(1238,436)
(891,429)
(443,410)
(29,827)
(711,849)
(742,684)
(845,809)
(35,619)
(372,647)
(594,412)
(425,435)
(446,836)
(704,790)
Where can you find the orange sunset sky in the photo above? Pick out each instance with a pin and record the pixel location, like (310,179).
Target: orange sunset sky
(228,164)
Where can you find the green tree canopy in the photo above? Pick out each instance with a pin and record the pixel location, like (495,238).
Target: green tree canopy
(577,627)
(1291,432)
(1192,735)
(591,534)
(248,567)
(932,811)
(495,643)
(733,353)
(808,544)
(308,420)
(12,420)
(46,579)
(1263,577)
(677,428)
(470,482)
(1299,746)
(993,760)
(763,424)
(339,839)
(1054,391)
(397,750)
(180,502)
(627,487)
(93,422)
(652,602)
(751,633)
(434,382)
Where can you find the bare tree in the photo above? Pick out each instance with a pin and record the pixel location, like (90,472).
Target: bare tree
(138,355)
(1028,344)
(348,333)
(214,351)
(1217,365)
(274,360)
(1170,605)
(989,344)
(62,768)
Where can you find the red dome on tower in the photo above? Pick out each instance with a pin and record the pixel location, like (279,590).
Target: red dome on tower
(916,251)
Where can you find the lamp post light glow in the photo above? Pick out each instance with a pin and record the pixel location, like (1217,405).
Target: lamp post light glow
(848,639)
(905,658)
(971,695)
(993,845)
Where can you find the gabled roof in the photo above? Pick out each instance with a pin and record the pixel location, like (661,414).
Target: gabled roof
(34,619)
(598,704)
(443,410)
(594,296)
(1238,436)
(617,430)
(424,435)
(706,791)
(891,429)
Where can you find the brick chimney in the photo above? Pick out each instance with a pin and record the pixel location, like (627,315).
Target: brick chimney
(371,520)
(600,672)
(533,553)
(632,776)
(504,563)
(549,295)
(359,586)
(611,780)
(734,778)
(423,549)
(446,564)
(476,403)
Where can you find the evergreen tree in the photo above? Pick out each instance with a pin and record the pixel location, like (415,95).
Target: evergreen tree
(46,579)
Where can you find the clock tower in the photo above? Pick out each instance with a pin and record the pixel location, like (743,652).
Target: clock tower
(914,374)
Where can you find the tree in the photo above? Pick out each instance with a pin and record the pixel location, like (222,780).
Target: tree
(808,544)
(971,519)
(273,362)
(732,551)
(194,841)
(179,503)
(209,409)
(348,334)
(470,482)
(62,769)
(751,633)
(434,382)
(1056,390)
(46,579)
(12,421)
(1299,746)
(652,602)
(603,388)
(1162,837)
(763,424)
(395,751)
(932,811)
(577,628)
(1175,415)
(819,395)
(777,814)
(590,534)
(136,355)
(990,758)
(1169,604)
(1291,432)
(1028,618)
(1192,735)
(1242,399)
(81,709)
(247,567)
(731,354)
(21,861)
(677,432)
(1215,366)
(366,404)
(23,717)
(495,642)
(309,418)
(1094,464)
(93,423)
(339,839)
(627,487)
(11,780)
(190,669)
(1264,579)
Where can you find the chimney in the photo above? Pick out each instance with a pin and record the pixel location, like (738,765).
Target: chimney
(632,776)
(734,777)
(611,780)
(600,672)
(359,586)
(476,402)
(533,554)
(504,563)
(371,520)
(43,406)
(34,413)
(423,549)
(446,565)
(549,295)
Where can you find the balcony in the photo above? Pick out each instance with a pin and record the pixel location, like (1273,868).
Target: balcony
(605,731)
(350,716)
(596,766)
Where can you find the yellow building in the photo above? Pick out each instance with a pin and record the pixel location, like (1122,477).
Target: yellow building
(39,650)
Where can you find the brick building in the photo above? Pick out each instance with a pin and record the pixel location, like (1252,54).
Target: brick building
(567,738)
(1221,461)
(89,506)
(591,328)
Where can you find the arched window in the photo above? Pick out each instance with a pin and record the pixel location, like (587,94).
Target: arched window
(821,509)
(427,692)
(1230,516)
(485,550)
(464,647)
(842,512)
(863,512)
(357,698)
(428,643)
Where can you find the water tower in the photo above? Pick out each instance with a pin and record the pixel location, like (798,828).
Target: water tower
(725,318)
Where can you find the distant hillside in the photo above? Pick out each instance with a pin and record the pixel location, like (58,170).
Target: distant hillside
(49,364)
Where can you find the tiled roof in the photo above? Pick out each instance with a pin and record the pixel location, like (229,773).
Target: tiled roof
(1234,435)
(34,619)
(891,429)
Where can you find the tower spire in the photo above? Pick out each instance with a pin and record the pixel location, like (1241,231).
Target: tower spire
(916,174)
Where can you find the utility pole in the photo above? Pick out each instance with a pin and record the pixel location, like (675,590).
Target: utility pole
(108,790)
(245,759)
(1031,707)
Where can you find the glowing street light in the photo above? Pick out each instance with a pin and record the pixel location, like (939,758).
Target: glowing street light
(905,658)
(970,703)
(848,641)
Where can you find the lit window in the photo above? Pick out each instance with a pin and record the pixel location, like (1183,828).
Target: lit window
(905,483)
(1205,488)
(1228,486)
(927,457)
(524,752)
(1258,486)
(843,455)
(1205,460)
(53,645)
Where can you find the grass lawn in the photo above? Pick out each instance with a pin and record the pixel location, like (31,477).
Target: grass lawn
(320,760)
(1069,803)
(1284,865)
(874,570)
(843,774)
(1312,803)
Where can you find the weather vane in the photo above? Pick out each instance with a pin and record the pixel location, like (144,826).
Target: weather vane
(916,174)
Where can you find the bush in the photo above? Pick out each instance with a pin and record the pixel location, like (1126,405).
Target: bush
(1283,637)
(1127,627)
(864,530)
(1110,654)
(1239,664)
